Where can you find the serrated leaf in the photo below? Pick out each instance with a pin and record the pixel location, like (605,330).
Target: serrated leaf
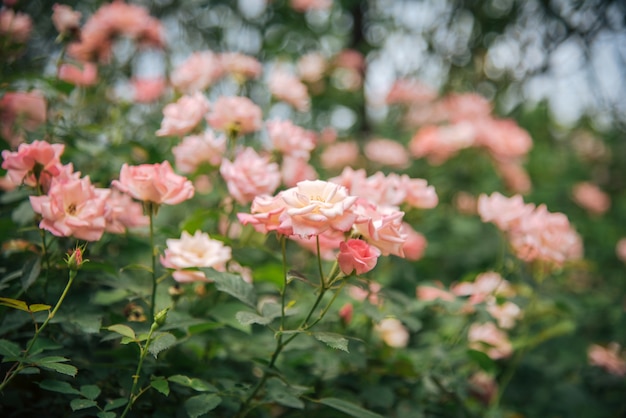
(29,370)
(161,385)
(201,404)
(80,403)
(30,272)
(66,369)
(332,340)
(88,323)
(194,383)
(58,386)
(349,408)
(109,297)
(9,349)
(38,307)
(282,394)
(14,303)
(234,285)
(90,391)
(248,318)
(43,344)
(162,341)
(103,414)
(124,330)
(115,403)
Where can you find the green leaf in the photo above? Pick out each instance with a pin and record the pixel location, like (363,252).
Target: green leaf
(38,307)
(349,408)
(43,344)
(161,385)
(90,391)
(109,297)
(162,341)
(55,363)
(234,285)
(103,414)
(248,318)
(124,330)
(80,403)
(482,360)
(282,394)
(9,349)
(30,272)
(196,384)
(58,386)
(29,370)
(201,404)
(115,403)
(207,326)
(332,340)
(88,323)
(14,303)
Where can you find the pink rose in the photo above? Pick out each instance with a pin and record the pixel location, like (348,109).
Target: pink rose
(16,26)
(85,76)
(339,155)
(315,206)
(183,116)
(197,250)
(406,91)
(514,176)
(240,66)
(415,243)
(65,19)
(591,198)
(505,313)
(381,226)
(265,214)
(290,139)
(620,249)
(38,157)
(21,110)
(609,358)
(356,255)
(504,139)
(305,5)
(490,340)
(488,284)
(250,175)
(238,115)
(418,193)
(466,106)
(147,90)
(329,242)
(393,333)
(429,293)
(295,170)
(387,152)
(123,213)
(503,211)
(73,207)
(311,67)
(155,183)
(371,293)
(290,89)
(345,313)
(198,72)
(438,143)
(197,149)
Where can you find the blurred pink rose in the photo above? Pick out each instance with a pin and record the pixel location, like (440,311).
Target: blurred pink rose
(490,340)
(514,176)
(339,155)
(505,313)
(21,110)
(315,206)
(235,115)
(290,139)
(250,175)
(197,250)
(6,184)
(147,90)
(439,143)
(406,91)
(65,19)
(182,117)
(504,138)
(609,358)
(241,67)
(371,293)
(466,106)
(329,242)
(345,313)
(288,88)
(415,243)
(620,249)
(196,73)
(381,226)
(311,67)
(466,203)
(123,213)
(387,152)
(305,5)
(393,333)
(73,74)
(38,157)
(73,207)
(591,198)
(15,26)
(484,387)
(505,212)
(156,183)
(197,149)
(357,256)
(487,284)
(265,214)
(294,170)
(429,293)
(418,193)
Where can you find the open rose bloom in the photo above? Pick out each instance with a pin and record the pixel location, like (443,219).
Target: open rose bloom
(156,183)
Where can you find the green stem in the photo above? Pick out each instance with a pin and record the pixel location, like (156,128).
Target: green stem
(39,330)
(153,253)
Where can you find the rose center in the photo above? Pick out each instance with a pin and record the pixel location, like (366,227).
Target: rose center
(71,209)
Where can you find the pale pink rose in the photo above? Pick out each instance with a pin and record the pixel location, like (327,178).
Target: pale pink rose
(504,313)
(484,387)
(241,67)
(21,110)
(147,90)
(405,91)
(311,67)
(609,358)
(294,170)
(351,179)
(65,19)
(15,26)
(195,150)
(245,272)
(381,226)
(329,242)
(505,212)
(514,176)
(357,256)
(503,138)
(265,214)
(290,139)
(123,213)
(39,156)
(392,332)
(250,175)
(197,250)
(429,293)
(591,198)
(345,313)
(236,115)
(490,340)
(387,152)
(439,143)
(466,203)
(156,183)
(418,193)
(202,184)
(288,88)
(377,188)
(327,136)
(6,184)
(371,293)
(415,243)
(85,76)
(485,287)
(466,106)
(340,155)
(350,58)
(306,5)
(182,117)
(421,114)
(196,73)
(620,249)
(73,207)
(316,206)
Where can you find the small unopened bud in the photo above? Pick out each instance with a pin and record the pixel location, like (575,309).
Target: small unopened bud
(159,318)
(74,259)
